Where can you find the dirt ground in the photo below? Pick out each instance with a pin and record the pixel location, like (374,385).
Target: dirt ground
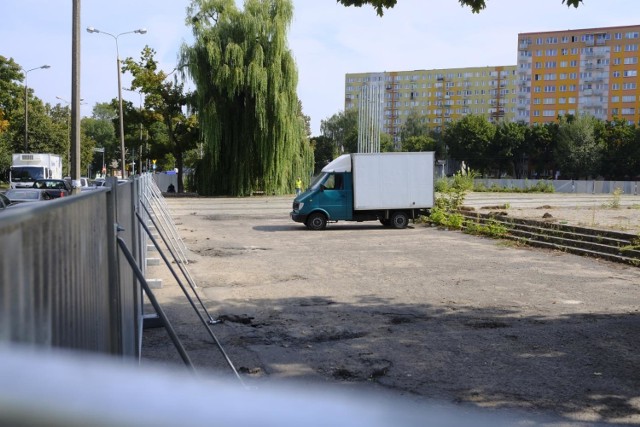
(422,313)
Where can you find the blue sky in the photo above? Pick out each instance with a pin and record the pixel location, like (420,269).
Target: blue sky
(327,40)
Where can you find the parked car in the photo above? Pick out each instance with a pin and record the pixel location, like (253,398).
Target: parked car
(22,195)
(54,187)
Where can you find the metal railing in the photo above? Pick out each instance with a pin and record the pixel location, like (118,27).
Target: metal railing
(64,282)
(566,186)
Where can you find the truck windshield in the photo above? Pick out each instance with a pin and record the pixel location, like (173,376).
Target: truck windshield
(26,173)
(317,180)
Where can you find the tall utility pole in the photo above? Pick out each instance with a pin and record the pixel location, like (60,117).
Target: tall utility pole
(75,98)
(369,118)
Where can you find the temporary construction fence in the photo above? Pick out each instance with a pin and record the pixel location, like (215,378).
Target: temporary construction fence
(73,270)
(565,186)
(64,281)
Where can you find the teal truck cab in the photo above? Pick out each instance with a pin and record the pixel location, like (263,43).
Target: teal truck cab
(387,187)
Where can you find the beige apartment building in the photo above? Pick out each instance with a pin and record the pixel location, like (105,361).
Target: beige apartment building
(440,96)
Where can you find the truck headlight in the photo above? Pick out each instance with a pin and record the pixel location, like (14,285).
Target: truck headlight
(298,206)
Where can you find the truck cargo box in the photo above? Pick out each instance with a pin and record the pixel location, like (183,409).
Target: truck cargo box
(393,180)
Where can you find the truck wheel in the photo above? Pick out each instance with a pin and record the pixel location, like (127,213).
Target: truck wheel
(399,220)
(385,222)
(316,221)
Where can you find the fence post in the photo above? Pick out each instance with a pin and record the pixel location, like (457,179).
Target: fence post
(114,270)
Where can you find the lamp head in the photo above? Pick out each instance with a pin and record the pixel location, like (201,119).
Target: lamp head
(92,30)
(46,66)
(141,31)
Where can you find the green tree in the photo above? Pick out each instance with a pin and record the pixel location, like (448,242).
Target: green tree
(475,5)
(579,152)
(9,95)
(386,143)
(342,130)
(248,108)
(415,135)
(165,99)
(468,140)
(539,143)
(10,90)
(324,150)
(621,151)
(505,147)
(419,143)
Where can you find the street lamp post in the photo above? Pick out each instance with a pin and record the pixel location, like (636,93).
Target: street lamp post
(26,104)
(115,37)
(69,126)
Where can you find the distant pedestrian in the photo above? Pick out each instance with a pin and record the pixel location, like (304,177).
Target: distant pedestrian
(298,186)
(171,189)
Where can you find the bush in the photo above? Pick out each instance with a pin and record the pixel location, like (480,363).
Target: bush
(539,187)
(491,229)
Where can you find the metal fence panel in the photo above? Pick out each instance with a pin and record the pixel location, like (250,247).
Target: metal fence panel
(64,282)
(54,286)
(564,186)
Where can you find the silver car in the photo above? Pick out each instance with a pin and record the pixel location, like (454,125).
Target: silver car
(22,195)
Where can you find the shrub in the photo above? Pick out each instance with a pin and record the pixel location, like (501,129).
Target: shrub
(615,199)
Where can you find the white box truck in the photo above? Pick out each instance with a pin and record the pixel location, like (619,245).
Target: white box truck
(388,187)
(26,168)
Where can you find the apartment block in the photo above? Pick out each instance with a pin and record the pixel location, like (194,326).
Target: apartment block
(438,96)
(592,71)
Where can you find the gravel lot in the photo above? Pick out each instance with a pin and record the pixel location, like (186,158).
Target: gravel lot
(422,313)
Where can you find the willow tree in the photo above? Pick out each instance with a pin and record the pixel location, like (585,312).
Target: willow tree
(246,79)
